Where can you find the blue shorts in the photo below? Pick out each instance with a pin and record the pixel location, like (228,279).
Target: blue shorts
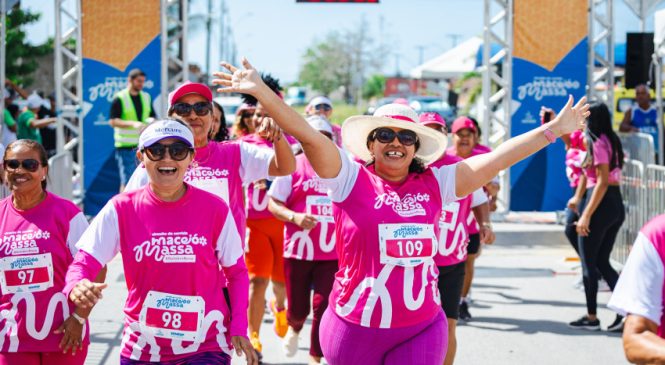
(126,159)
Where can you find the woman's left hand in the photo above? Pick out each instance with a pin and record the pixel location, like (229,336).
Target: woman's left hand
(583,225)
(242,345)
(269,130)
(571,118)
(245,81)
(73,335)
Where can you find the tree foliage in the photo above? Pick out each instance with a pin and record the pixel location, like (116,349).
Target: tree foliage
(375,86)
(21,56)
(342,59)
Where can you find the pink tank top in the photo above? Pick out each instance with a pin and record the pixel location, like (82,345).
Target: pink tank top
(173,275)
(309,196)
(655,232)
(34,256)
(454,236)
(386,239)
(257,199)
(479,149)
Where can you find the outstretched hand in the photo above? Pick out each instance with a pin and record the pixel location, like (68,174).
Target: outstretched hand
(245,81)
(571,118)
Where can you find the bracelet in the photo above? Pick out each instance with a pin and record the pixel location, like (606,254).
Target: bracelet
(486,225)
(80,319)
(549,135)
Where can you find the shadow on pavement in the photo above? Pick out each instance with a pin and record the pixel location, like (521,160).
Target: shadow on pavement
(531,326)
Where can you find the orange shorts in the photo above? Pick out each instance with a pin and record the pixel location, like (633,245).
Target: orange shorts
(265,244)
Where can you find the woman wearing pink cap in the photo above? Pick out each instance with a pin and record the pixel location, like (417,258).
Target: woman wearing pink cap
(175,311)
(639,296)
(243,125)
(310,260)
(453,240)
(465,145)
(385,294)
(38,234)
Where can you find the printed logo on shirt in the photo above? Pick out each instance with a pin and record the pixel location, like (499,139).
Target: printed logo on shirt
(314,184)
(408,206)
(170,247)
(203,173)
(22,242)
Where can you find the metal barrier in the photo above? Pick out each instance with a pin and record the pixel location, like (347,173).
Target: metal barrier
(643,191)
(61,171)
(638,147)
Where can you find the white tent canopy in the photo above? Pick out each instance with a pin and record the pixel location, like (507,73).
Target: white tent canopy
(453,63)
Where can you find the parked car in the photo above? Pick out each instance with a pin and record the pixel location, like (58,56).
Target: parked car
(423,104)
(230,104)
(296,96)
(380,102)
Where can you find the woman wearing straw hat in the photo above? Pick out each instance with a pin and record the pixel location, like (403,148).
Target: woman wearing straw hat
(385,294)
(175,263)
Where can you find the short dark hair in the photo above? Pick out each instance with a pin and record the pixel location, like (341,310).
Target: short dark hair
(33,146)
(136,73)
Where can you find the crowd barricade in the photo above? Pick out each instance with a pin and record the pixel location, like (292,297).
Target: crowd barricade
(61,171)
(638,147)
(643,191)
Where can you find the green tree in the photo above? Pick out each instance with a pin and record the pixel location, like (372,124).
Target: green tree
(21,56)
(375,86)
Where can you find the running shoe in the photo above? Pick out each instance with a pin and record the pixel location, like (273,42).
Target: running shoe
(464,311)
(290,343)
(585,324)
(617,325)
(281,324)
(256,344)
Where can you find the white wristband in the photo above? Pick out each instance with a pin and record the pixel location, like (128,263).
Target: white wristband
(80,319)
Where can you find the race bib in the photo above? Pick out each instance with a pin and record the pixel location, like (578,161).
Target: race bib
(218,187)
(406,244)
(320,207)
(26,274)
(177,317)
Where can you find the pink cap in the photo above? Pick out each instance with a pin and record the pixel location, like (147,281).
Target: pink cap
(428,118)
(401,101)
(243,107)
(463,123)
(189,87)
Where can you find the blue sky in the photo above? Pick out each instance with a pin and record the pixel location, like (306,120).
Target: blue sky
(274,34)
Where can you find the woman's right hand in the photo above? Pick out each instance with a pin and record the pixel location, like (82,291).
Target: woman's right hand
(245,81)
(304,221)
(86,293)
(573,204)
(570,118)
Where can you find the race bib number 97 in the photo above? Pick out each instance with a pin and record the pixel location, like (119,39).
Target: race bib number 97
(176,317)
(26,274)
(406,244)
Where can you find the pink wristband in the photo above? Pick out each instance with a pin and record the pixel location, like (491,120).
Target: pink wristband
(549,135)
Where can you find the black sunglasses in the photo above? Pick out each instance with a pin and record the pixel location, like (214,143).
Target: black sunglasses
(29,164)
(178,151)
(387,135)
(246,115)
(325,107)
(183,109)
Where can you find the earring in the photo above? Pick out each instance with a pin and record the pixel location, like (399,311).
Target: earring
(43,178)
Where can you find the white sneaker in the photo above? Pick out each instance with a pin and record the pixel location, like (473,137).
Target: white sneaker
(290,342)
(603,286)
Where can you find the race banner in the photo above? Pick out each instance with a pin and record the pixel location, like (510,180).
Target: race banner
(118,36)
(549,63)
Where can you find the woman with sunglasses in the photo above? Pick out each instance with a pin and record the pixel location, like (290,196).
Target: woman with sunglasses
(601,211)
(323,106)
(38,237)
(385,293)
(310,260)
(218,131)
(453,240)
(175,311)
(243,125)
(221,168)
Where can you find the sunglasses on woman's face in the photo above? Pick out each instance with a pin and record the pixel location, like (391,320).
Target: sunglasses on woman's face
(246,115)
(324,107)
(387,135)
(201,108)
(29,164)
(178,151)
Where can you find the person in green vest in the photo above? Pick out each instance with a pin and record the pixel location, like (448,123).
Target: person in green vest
(28,124)
(131,111)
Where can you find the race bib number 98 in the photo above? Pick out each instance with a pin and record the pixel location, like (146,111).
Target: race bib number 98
(406,244)
(26,274)
(176,317)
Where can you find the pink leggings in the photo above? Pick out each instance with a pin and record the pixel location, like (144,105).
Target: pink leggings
(347,343)
(43,358)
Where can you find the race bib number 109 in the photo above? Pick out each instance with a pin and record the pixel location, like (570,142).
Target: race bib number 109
(406,244)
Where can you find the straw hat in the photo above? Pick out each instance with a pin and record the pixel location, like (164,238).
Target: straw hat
(356,129)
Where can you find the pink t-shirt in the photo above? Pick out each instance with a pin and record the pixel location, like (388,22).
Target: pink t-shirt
(257,199)
(386,238)
(337,134)
(303,192)
(602,150)
(37,245)
(173,259)
(222,168)
(454,236)
(641,286)
(479,149)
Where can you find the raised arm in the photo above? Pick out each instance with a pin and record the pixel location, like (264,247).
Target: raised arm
(476,171)
(320,151)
